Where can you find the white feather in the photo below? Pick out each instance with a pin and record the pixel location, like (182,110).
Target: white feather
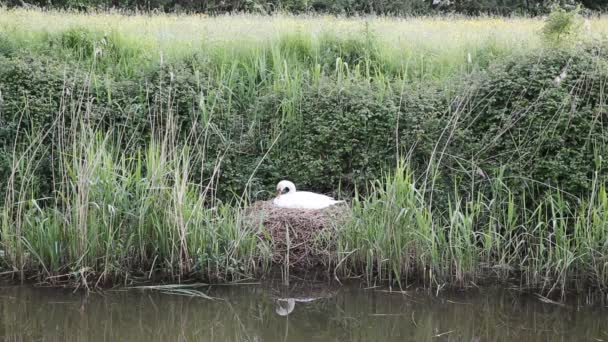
(301,199)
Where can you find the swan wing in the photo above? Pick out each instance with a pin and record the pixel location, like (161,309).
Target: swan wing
(304,200)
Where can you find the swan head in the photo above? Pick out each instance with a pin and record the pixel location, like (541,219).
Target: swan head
(285,187)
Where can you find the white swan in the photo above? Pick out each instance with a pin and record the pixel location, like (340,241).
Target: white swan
(288,197)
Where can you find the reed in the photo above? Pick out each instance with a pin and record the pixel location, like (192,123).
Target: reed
(553,246)
(116,212)
(128,203)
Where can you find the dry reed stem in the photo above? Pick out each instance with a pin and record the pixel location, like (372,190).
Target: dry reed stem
(305,227)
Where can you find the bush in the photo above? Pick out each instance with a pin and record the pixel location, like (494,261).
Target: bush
(341,7)
(562,25)
(539,119)
(344,135)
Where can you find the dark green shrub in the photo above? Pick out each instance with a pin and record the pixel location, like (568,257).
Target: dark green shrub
(34,92)
(541,117)
(345,135)
(341,7)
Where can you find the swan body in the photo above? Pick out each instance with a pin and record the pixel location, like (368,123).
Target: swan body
(288,197)
(284,306)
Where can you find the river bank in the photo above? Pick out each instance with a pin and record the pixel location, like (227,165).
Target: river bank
(134,147)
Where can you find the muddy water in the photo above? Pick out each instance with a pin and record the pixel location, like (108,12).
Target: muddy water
(305,312)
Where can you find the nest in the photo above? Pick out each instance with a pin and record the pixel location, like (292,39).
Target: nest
(298,236)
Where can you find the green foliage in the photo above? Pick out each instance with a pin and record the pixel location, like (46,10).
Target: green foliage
(344,134)
(552,246)
(344,7)
(542,119)
(337,128)
(562,25)
(114,214)
(114,167)
(598,5)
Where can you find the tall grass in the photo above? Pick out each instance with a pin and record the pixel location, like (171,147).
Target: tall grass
(395,234)
(115,216)
(118,210)
(416,47)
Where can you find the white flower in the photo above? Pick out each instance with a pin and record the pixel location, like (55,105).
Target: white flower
(560,78)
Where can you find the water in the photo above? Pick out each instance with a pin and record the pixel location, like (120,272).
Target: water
(305,312)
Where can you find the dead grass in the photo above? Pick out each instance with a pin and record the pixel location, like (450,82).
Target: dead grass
(296,235)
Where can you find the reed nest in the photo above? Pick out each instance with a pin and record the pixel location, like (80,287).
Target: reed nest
(300,238)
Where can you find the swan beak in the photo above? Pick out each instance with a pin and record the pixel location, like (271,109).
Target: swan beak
(278,193)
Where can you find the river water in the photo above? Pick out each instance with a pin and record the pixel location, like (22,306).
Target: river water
(303,312)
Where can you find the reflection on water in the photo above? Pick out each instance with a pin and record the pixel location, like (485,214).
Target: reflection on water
(305,312)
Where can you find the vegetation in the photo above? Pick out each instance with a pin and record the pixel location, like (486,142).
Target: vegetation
(129,146)
(553,246)
(562,25)
(348,7)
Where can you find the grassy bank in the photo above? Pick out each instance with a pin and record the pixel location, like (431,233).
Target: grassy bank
(116,217)
(130,146)
(277,47)
(397,233)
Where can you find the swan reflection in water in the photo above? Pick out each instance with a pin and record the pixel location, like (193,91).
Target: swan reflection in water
(284,306)
(285,297)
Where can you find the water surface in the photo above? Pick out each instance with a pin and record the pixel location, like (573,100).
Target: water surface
(302,312)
